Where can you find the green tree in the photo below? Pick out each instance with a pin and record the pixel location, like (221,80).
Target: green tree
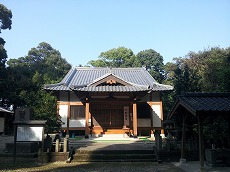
(28,74)
(212,67)
(5,23)
(5,18)
(203,71)
(153,62)
(116,57)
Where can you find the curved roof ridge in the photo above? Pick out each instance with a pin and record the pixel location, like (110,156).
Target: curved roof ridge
(80,77)
(109,68)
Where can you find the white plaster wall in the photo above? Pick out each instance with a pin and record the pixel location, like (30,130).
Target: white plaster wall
(63,112)
(156,115)
(77,123)
(141,122)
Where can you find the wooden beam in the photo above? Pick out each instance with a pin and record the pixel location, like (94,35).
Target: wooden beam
(228,133)
(134,119)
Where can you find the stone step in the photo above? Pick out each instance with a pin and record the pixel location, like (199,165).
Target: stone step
(20,155)
(114,152)
(110,136)
(115,156)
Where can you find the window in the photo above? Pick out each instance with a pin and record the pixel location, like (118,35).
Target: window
(77,112)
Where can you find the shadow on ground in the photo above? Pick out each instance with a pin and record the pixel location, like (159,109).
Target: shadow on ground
(31,164)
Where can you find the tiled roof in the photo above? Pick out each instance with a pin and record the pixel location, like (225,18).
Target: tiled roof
(203,102)
(5,110)
(82,79)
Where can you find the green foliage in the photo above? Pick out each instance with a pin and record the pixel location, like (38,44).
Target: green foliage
(45,109)
(215,129)
(5,18)
(153,62)
(204,71)
(116,57)
(5,23)
(211,67)
(26,77)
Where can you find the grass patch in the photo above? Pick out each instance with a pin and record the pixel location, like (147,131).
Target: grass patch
(144,139)
(78,138)
(111,140)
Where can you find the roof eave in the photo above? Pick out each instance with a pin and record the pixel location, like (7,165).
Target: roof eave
(186,106)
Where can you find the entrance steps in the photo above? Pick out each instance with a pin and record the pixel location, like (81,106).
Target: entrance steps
(115,156)
(113,148)
(110,136)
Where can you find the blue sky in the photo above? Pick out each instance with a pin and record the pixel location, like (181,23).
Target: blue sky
(81,30)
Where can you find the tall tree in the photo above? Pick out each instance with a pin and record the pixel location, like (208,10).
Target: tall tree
(116,57)
(28,74)
(153,62)
(212,67)
(5,23)
(5,18)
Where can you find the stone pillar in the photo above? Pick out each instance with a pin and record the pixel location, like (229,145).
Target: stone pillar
(158,140)
(152,133)
(65,145)
(57,145)
(134,119)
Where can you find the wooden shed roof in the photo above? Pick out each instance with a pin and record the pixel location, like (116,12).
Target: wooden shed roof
(202,102)
(5,110)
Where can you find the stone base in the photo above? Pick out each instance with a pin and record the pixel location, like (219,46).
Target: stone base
(183,160)
(54,156)
(22,147)
(162,136)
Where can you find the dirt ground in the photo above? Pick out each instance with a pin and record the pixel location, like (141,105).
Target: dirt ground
(31,164)
(6,164)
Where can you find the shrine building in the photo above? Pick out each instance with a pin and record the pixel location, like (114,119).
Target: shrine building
(99,101)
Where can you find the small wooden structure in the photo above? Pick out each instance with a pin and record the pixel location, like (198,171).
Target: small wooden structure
(27,130)
(193,108)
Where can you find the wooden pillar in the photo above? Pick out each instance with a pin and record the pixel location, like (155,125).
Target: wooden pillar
(134,119)
(183,141)
(87,131)
(68,115)
(15,142)
(201,141)
(228,133)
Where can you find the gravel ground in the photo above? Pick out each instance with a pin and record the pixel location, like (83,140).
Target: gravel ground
(24,165)
(31,164)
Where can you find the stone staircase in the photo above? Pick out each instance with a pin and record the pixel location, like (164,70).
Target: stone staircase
(113,148)
(115,156)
